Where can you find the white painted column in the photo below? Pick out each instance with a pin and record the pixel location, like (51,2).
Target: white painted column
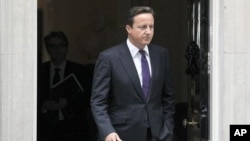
(18,37)
(230,51)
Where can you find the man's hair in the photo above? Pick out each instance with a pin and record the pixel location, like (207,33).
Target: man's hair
(134,11)
(56,34)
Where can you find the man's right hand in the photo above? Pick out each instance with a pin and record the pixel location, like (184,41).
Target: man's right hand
(113,137)
(55,105)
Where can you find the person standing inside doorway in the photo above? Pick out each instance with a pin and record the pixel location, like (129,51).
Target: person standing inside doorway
(62,105)
(132,96)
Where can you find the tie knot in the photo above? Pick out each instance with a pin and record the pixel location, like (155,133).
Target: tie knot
(142,52)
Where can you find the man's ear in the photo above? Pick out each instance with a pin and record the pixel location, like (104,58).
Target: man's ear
(128,28)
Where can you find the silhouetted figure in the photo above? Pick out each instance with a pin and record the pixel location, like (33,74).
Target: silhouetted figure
(62,104)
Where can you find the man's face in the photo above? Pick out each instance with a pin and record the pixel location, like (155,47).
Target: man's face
(142,30)
(57,49)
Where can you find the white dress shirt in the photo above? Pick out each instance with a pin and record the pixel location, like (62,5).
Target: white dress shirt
(136,55)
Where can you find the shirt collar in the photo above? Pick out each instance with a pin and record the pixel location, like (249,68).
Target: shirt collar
(61,66)
(134,50)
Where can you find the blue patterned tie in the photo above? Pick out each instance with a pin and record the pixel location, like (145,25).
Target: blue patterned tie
(145,73)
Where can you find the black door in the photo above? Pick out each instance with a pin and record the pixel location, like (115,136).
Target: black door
(197,55)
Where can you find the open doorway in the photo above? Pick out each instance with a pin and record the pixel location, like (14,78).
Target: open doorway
(180,26)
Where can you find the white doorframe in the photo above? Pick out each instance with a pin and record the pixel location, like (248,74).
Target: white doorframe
(215,44)
(18,71)
(215,68)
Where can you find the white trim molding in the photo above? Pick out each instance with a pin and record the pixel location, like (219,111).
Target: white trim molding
(18,70)
(215,44)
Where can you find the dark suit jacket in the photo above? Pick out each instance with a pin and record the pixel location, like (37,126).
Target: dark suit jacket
(117,100)
(78,103)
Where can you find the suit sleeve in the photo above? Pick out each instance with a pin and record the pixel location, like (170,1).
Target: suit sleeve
(99,96)
(168,100)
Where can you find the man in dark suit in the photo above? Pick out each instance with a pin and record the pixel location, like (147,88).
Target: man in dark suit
(61,110)
(132,96)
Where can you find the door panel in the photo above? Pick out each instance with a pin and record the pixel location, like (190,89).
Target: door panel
(197,52)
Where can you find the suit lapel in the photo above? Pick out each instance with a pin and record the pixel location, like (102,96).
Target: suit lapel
(67,69)
(129,66)
(155,67)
